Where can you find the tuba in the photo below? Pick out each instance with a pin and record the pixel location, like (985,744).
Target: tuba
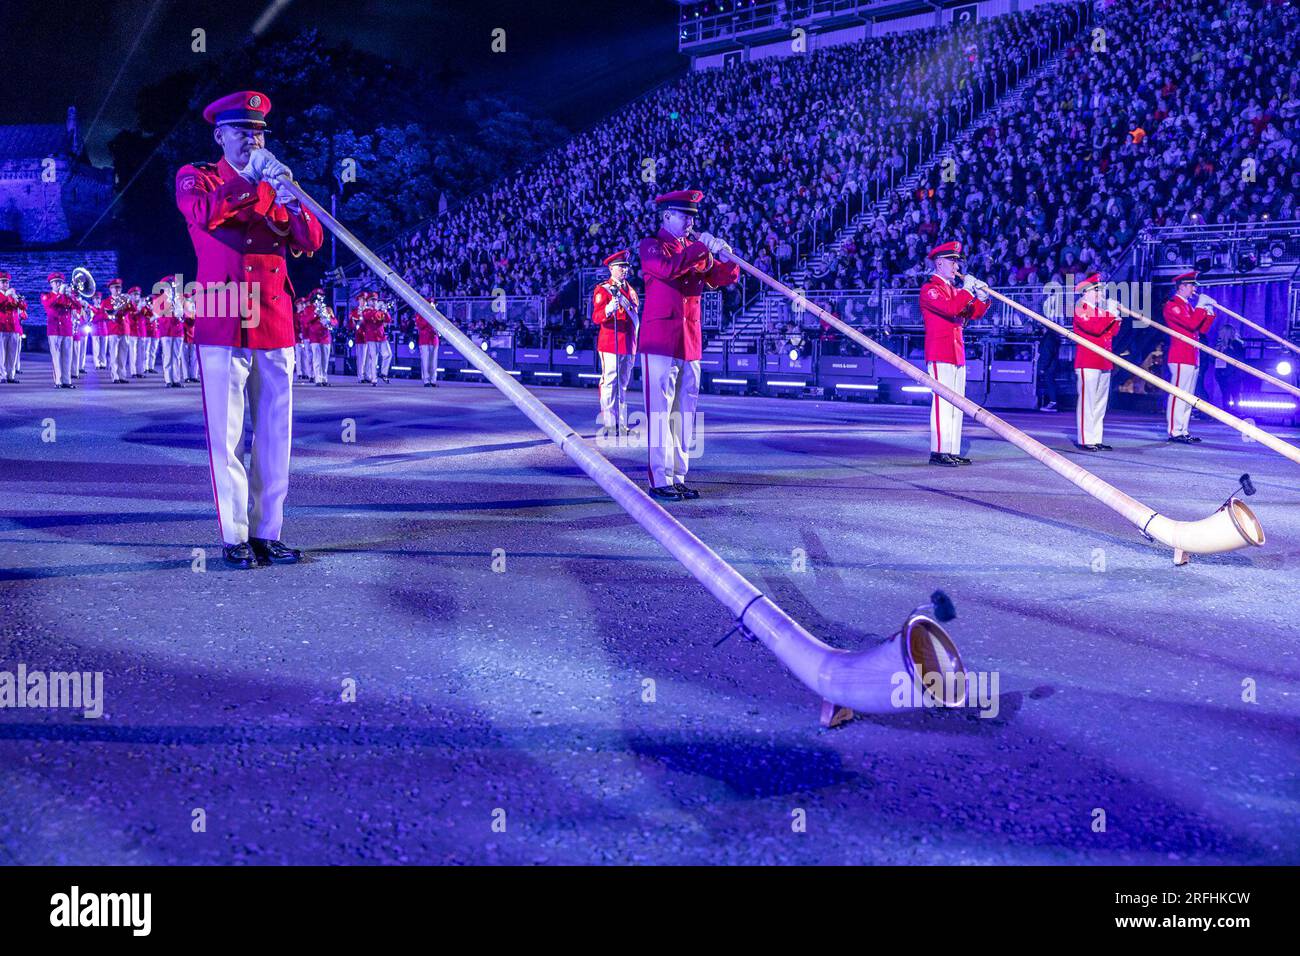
(83,283)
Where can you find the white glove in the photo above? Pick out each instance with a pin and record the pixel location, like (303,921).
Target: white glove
(968,282)
(611,307)
(707,239)
(982,291)
(723,250)
(1205,302)
(266,168)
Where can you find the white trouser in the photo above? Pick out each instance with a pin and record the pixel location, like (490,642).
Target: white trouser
(190,359)
(672,391)
(11,343)
(1179,414)
(151,353)
(267,374)
(367,352)
(946,418)
(385,357)
(173,368)
(299,360)
(116,357)
(61,358)
(615,374)
(320,360)
(132,343)
(1094,395)
(429,363)
(78,355)
(98,349)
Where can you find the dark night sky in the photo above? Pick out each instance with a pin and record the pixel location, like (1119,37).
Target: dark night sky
(574,60)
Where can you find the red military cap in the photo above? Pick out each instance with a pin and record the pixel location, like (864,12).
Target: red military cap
(246,109)
(1094,279)
(615,258)
(55,275)
(687,200)
(949,250)
(317,291)
(134,288)
(4,275)
(1185,277)
(113,282)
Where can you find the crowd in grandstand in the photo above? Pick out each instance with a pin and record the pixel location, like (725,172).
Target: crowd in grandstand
(774,144)
(1185,113)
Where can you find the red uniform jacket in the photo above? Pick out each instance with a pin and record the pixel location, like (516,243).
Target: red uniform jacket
(115,325)
(11,314)
(240,235)
(357,326)
(169,326)
(61,312)
(946,308)
(428,334)
(375,322)
(676,272)
(1097,326)
(318,326)
(99,320)
(1181,317)
(617,331)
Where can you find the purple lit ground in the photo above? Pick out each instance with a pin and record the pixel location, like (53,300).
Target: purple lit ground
(1120,689)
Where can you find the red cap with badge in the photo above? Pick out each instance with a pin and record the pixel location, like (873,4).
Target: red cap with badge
(55,276)
(949,250)
(113,282)
(1186,277)
(134,290)
(1088,281)
(615,258)
(685,200)
(246,109)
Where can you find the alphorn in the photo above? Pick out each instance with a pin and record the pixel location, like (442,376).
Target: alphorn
(1233,526)
(1208,350)
(1285,449)
(1256,326)
(918,666)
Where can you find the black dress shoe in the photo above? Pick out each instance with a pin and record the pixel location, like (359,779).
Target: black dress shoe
(274,551)
(1085,447)
(239,555)
(960,460)
(685,492)
(1193,439)
(1100,446)
(1183,439)
(667,492)
(942,460)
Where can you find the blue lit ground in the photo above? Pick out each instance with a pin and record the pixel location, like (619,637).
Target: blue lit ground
(1120,689)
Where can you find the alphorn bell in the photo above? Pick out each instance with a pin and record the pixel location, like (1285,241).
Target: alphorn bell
(1208,350)
(1233,526)
(1285,449)
(903,672)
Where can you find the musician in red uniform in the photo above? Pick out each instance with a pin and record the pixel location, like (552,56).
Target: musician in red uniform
(99,335)
(12,314)
(301,352)
(615,308)
(318,324)
(150,335)
(360,335)
(947,304)
(168,311)
(1094,322)
(429,343)
(61,310)
(189,351)
(134,329)
(116,309)
(1183,360)
(383,344)
(242,221)
(677,270)
(81,329)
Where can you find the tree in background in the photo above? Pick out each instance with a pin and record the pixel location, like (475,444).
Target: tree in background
(393,142)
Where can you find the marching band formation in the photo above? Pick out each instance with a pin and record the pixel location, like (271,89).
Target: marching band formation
(243,222)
